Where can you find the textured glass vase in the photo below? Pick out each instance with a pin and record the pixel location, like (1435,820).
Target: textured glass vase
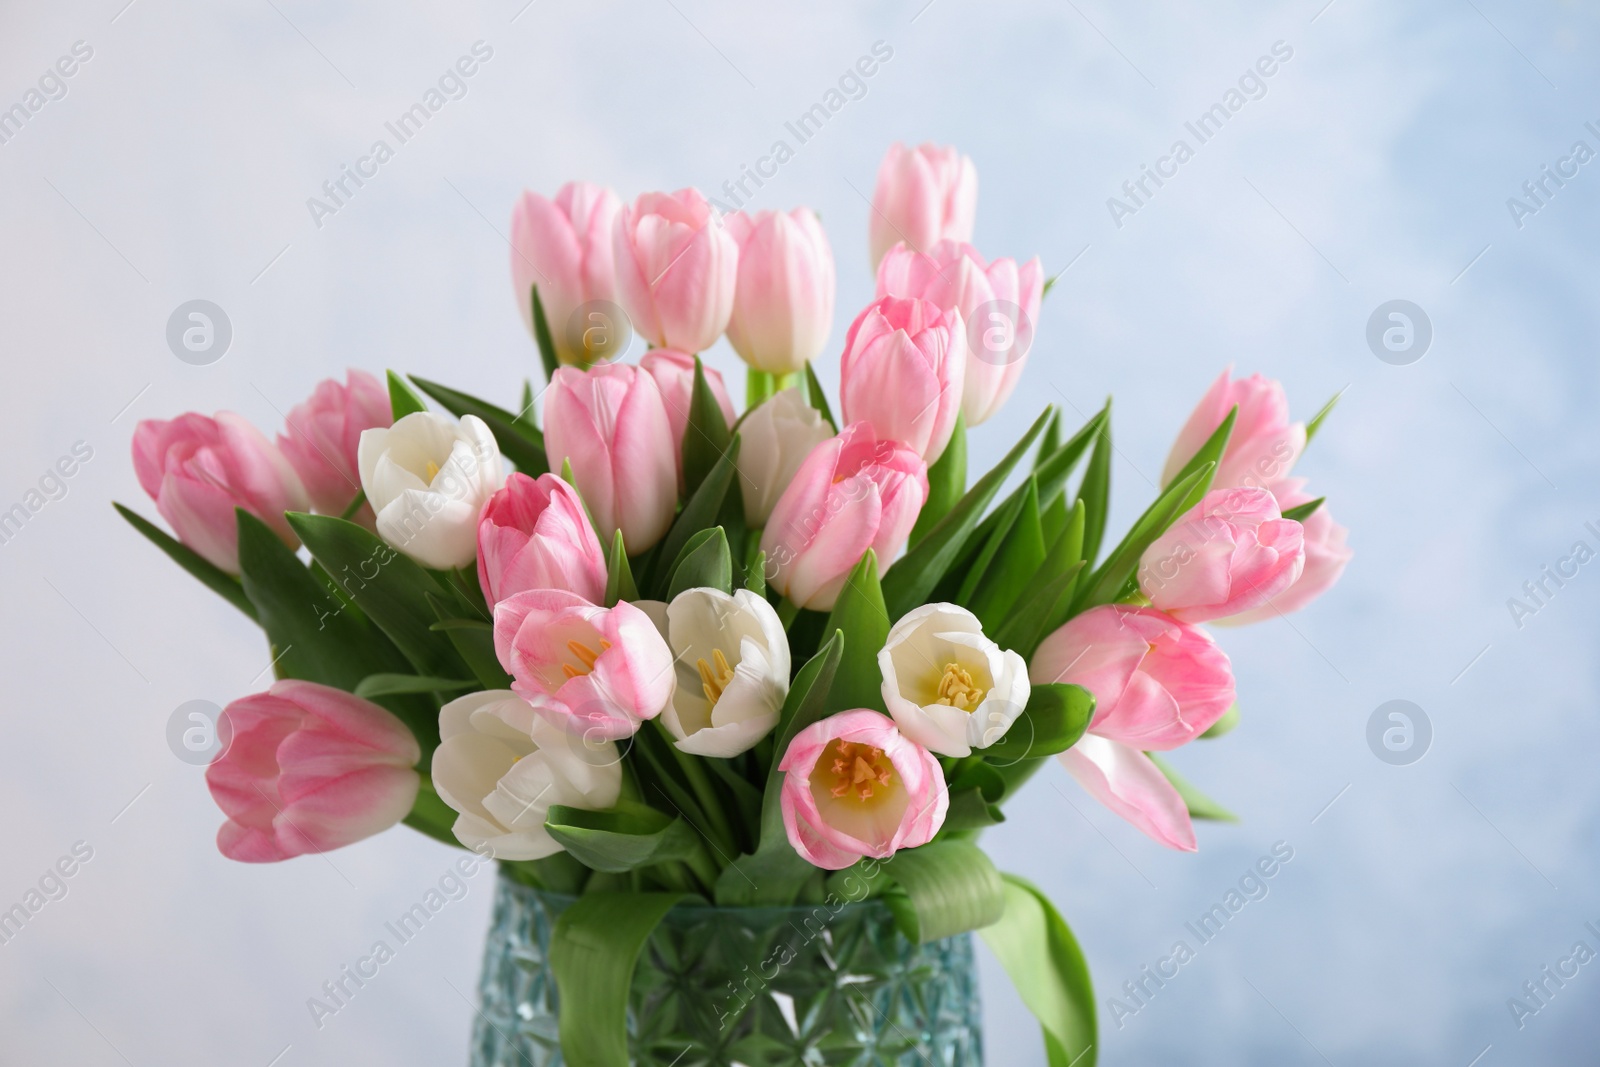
(743,987)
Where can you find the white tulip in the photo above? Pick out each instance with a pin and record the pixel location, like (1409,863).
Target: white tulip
(774,439)
(732,659)
(427,478)
(949,688)
(501,766)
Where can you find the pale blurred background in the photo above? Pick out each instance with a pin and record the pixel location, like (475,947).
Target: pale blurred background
(1377,166)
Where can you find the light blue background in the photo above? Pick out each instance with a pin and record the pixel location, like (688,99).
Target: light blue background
(1376,167)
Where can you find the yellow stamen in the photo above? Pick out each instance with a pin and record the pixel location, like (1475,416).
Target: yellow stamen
(713,680)
(433,471)
(586,656)
(859,772)
(956,689)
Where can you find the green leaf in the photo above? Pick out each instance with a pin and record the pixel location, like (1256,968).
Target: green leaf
(1208,453)
(630,837)
(382,685)
(1045,606)
(969,811)
(817,398)
(909,581)
(1014,565)
(1229,720)
(389,587)
(542,338)
(474,643)
(593,949)
(945,888)
(1095,492)
(700,513)
(213,577)
(1054,471)
(755,571)
(704,561)
(706,436)
(1037,949)
(1056,716)
(860,615)
(1053,519)
(619,577)
(1050,440)
(1302,512)
(974,570)
(1105,584)
(1321,416)
(518,440)
(1200,806)
(355,505)
(947,481)
(403,400)
(774,873)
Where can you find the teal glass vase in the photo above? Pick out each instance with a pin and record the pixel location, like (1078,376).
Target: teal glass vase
(743,987)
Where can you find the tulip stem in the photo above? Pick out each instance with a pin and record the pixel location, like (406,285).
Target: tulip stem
(787,610)
(710,803)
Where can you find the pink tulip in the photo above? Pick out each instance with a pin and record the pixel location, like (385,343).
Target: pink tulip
(924,195)
(854,787)
(676,270)
(611,424)
(565,247)
(533,534)
(854,492)
(903,370)
(1158,683)
(783,305)
(323,434)
(1264,444)
(1326,556)
(309,768)
(199,469)
(593,671)
(673,372)
(998,302)
(1230,554)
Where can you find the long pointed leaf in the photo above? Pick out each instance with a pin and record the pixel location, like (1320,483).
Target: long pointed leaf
(860,615)
(1037,949)
(705,436)
(947,481)
(517,439)
(213,577)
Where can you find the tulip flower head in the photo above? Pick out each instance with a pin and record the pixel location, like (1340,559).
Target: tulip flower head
(673,373)
(903,370)
(1264,444)
(775,438)
(324,434)
(924,195)
(1232,553)
(1326,557)
(533,534)
(950,688)
(677,269)
(783,304)
(565,247)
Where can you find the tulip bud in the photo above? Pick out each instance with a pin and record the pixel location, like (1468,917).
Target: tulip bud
(924,195)
(1264,444)
(1158,683)
(427,477)
(198,470)
(676,270)
(783,305)
(1230,554)
(775,438)
(533,534)
(854,787)
(565,247)
(854,492)
(309,768)
(673,372)
(903,370)
(998,302)
(611,425)
(324,433)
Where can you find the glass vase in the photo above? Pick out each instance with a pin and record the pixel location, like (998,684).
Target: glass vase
(743,987)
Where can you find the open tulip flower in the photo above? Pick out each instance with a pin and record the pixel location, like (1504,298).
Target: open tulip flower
(641,646)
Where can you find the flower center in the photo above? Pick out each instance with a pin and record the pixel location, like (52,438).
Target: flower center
(956,689)
(856,772)
(586,656)
(714,678)
(433,472)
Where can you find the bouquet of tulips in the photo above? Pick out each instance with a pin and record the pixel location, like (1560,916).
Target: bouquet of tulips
(648,649)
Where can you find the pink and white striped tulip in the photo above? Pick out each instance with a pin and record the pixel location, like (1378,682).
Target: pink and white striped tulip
(1232,553)
(998,303)
(324,434)
(673,372)
(924,195)
(199,469)
(309,768)
(610,423)
(1264,444)
(783,305)
(593,671)
(1326,557)
(677,269)
(566,247)
(533,534)
(854,787)
(1158,683)
(903,370)
(854,492)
